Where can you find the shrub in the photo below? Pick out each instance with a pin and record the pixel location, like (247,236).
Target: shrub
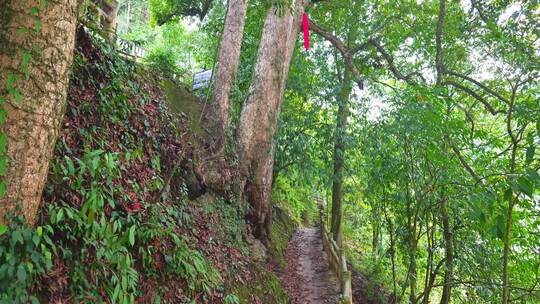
(164,62)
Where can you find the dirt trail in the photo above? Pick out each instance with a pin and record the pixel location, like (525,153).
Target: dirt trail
(307,276)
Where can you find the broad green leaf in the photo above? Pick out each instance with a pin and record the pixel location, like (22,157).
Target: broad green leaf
(3,115)
(3,229)
(132,235)
(3,165)
(38,25)
(30,267)
(530,153)
(59,215)
(17,95)
(3,143)
(3,188)
(17,236)
(25,61)
(21,273)
(525,186)
(11,80)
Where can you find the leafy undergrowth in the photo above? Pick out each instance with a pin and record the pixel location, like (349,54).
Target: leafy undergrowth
(116,222)
(367,283)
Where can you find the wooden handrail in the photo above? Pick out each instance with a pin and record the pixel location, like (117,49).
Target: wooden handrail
(337,259)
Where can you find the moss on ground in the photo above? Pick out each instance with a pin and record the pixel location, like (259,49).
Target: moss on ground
(183,102)
(264,288)
(283,227)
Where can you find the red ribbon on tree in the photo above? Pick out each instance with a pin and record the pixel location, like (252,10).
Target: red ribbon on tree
(305,27)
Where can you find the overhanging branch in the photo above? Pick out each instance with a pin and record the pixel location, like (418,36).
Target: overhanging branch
(465,165)
(345,52)
(472,93)
(390,61)
(480,85)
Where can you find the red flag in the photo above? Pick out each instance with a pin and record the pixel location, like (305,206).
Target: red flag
(305,27)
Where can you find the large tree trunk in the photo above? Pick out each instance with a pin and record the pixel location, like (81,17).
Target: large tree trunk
(227,65)
(33,121)
(258,120)
(339,157)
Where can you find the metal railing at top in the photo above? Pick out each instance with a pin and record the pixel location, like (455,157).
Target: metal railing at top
(129,48)
(104,15)
(336,258)
(124,47)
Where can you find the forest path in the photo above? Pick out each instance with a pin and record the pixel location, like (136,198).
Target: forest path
(307,276)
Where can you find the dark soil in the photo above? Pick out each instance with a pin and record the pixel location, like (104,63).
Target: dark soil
(307,276)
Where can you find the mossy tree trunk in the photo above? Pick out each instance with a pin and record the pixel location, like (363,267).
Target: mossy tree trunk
(259,116)
(227,65)
(339,157)
(33,119)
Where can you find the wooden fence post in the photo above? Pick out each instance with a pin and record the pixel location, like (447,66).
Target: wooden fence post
(346,289)
(337,260)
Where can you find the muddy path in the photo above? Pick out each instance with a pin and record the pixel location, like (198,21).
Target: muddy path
(307,276)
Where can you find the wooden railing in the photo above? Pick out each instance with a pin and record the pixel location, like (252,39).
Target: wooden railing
(336,258)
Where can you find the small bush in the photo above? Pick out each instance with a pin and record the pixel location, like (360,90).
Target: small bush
(163,61)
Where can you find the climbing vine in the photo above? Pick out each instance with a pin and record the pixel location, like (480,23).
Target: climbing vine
(13,91)
(25,252)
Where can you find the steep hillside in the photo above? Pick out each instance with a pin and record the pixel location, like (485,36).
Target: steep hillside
(127,215)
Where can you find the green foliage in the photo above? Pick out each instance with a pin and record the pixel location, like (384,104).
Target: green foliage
(166,10)
(231,214)
(296,199)
(265,287)
(231,299)
(96,227)
(101,240)
(412,144)
(163,61)
(119,239)
(25,254)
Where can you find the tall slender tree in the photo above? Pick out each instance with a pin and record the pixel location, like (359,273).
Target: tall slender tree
(339,155)
(227,65)
(259,116)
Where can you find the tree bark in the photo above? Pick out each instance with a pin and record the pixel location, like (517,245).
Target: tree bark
(448,251)
(376,223)
(258,120)
(33,121)
(128,21)
(227,65)
(412,223)
(339,157)
(392,252)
